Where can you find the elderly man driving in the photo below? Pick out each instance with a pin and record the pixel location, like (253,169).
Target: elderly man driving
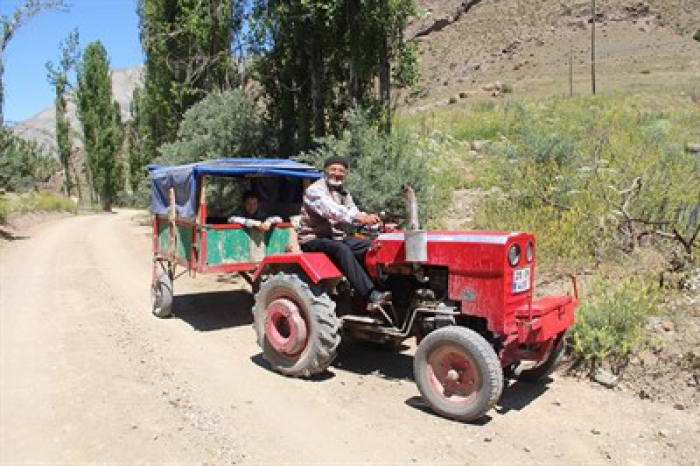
(327,206)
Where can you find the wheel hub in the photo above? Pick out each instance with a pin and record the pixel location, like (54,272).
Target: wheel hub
(285,328)
(452,373)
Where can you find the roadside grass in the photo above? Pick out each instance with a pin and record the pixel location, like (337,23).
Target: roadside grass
(12,204)
(600,181)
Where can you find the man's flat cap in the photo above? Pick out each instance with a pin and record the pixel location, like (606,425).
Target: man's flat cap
(336,159)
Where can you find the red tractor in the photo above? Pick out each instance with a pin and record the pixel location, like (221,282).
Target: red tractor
(467,297)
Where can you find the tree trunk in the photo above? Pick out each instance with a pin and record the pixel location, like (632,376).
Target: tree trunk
(78,186)
(2,86)
(385,83)
(302,87)
(317,81)
(287,110)
(355,78)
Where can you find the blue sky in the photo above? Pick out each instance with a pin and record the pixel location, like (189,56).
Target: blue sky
(113,22)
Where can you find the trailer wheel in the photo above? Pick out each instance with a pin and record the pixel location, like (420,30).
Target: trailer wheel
(296,326)
(162,296)
(458,373)
(544,370)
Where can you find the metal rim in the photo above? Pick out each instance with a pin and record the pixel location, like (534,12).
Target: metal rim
(453,374)
(285,327)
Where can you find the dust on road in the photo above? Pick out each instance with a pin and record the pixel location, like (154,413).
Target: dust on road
(89,375)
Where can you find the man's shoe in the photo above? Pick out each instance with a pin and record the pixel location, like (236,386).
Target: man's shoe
(377,297)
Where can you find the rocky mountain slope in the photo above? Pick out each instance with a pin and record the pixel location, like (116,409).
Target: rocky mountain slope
(41,128)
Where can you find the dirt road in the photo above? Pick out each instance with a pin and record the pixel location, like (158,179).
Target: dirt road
(88,375)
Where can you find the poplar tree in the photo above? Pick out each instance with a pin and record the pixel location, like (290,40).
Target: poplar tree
(187,44)
(101,123)
(59,77)
(318,59)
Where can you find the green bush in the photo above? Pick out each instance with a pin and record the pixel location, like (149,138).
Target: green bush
(224,124)
(382,163)
(22,164)
(611,321)
(696,36)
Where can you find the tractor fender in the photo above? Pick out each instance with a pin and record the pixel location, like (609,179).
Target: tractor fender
(316,265)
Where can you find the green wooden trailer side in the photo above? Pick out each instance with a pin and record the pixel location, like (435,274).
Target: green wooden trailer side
(214,247)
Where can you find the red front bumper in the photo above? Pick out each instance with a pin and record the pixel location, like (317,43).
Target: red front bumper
(545,318)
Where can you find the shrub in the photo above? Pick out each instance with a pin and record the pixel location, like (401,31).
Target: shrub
(382,163)
(696,36)
(224,124)
(22,164)
(611,321)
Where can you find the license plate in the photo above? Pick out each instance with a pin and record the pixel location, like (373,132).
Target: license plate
(521,280)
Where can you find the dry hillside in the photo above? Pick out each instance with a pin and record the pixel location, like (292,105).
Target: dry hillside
(465,45)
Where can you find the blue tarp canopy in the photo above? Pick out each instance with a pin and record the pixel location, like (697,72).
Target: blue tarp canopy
(183,178)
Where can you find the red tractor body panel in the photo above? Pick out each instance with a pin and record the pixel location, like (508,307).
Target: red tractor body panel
(316,265)
(482,280)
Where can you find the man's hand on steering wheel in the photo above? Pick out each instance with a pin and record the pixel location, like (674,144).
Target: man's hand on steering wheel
(368,220)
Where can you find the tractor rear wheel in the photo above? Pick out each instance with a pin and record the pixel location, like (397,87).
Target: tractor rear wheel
(458,373)
(162,295)
(543,371)
(296,326)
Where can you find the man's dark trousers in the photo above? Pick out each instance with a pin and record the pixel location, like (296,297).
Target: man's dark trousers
(349,256)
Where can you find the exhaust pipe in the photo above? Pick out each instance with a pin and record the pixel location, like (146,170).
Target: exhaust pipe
(412,207)
(415,239)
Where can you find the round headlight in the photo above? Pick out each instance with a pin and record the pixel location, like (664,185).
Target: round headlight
(529,251)
(514,255)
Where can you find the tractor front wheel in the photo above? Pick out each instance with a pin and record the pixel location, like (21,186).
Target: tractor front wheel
(458,373)
(296,326)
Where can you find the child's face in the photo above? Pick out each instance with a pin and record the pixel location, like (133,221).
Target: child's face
(251,205)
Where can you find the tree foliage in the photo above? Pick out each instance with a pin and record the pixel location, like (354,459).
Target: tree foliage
(22,164)
(101,122)
(318,59)
(224,124)
(187,44)
(137,140)
(59,76)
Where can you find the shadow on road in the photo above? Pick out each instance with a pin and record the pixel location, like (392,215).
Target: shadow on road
(362,359)
(218,310)
(259,360)
(417,402)
(517,395)
(9,236)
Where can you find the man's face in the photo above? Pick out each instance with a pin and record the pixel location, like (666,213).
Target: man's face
(335,174)
(251,205)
